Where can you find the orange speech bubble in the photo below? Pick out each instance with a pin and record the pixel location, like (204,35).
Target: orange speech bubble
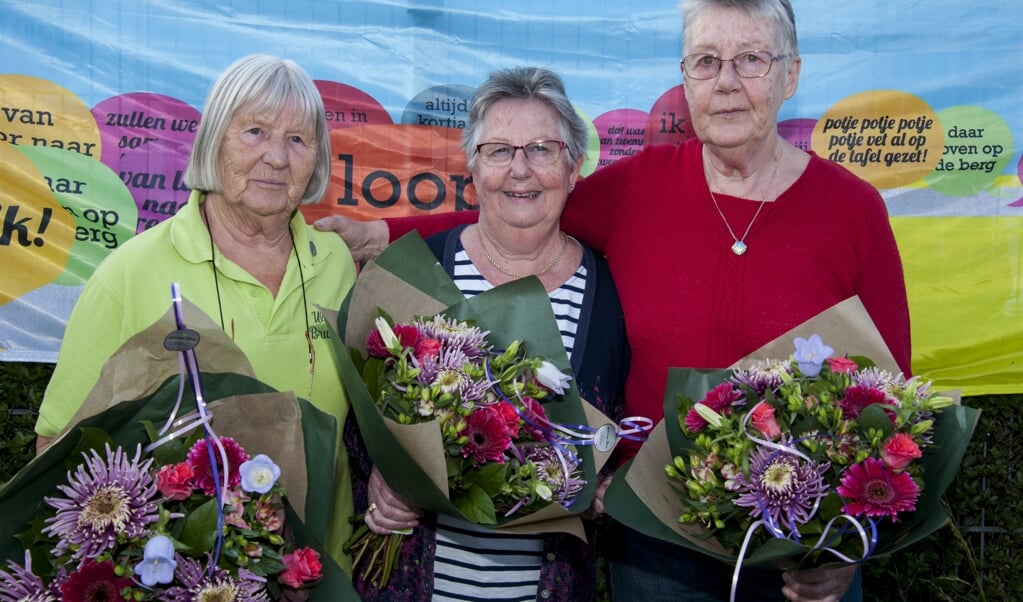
(395,170)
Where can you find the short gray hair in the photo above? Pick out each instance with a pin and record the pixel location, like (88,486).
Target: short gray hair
(258,83)
(525,83)
(778,12)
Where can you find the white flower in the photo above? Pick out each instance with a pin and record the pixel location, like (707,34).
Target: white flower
(550,377)
(391,341)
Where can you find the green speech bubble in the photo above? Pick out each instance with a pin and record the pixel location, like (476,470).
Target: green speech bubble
(103,209)
(978,146)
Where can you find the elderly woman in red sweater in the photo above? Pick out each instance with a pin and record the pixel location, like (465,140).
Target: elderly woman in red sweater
(718,246)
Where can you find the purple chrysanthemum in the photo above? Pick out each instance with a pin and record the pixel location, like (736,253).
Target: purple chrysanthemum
(455,334)
(782,485)
(565,484)
(20,584)
(447,370)
(876,378)
(107,499)
(197,584)
(763,376)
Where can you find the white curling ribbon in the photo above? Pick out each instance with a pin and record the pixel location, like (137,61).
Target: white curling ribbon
(768,523)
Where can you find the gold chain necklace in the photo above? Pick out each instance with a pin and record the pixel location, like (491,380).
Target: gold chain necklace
(739,246)
(550,265)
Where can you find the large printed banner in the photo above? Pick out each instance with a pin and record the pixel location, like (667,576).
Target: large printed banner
(99,103)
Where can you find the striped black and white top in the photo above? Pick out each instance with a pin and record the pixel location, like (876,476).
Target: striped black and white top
(473,563)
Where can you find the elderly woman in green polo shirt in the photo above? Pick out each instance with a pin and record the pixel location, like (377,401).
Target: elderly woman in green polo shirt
(240,251)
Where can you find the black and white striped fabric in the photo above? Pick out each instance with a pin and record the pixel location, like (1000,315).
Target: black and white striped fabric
(476,564)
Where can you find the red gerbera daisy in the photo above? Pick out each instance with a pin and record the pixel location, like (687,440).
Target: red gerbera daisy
(94,581)
(719,399)
(199,459)
(487,434)
(873,490)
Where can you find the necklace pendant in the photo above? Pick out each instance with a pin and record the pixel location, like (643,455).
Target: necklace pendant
(739,247)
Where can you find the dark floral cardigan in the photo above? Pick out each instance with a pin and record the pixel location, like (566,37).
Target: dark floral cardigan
(599,362)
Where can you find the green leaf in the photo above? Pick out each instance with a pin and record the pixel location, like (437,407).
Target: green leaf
(489,477)
(874,416)
(477,506)
(200,528)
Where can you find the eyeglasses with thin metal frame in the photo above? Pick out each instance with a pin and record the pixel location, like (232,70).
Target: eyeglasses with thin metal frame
(750,64)
(538,153)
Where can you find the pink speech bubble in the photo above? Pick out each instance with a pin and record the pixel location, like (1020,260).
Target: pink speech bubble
(129,122)
(797,131)
(622,132)
(155,180)
(1019,173)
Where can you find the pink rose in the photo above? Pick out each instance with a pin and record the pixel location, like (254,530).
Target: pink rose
(176,481)
(301,567)
(763,420)
(900,451)
(427,348)
(841,364)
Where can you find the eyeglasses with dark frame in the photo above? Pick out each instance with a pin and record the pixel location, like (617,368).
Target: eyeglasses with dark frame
(750,64)
(539,153)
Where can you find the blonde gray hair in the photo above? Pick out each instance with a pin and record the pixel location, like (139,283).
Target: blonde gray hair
(779,12)
(525,83)
(261,84)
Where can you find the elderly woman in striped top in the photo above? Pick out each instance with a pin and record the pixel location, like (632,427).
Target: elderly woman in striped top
(525,146)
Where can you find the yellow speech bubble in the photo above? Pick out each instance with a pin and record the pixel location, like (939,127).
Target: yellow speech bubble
(36,233)
(887,137)
(38,112)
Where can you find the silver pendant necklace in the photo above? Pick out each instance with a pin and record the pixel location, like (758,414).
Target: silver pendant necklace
(739,245)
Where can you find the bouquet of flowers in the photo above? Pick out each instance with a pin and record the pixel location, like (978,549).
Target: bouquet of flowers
(125,526)
(502,454)
(458,415)
(798,461)
(119,507)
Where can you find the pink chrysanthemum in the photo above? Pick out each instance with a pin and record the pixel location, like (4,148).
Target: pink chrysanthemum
(719,399)
(107,499)
(873,490)
(858,397)
(94,581)
(199,459)
(487,434)
(783,485)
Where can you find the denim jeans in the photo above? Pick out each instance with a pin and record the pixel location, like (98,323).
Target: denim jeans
(646,569)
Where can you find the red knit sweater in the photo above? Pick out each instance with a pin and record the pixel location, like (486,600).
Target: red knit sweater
(688,300)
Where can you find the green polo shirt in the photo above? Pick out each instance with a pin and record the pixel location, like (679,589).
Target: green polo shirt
(130,290)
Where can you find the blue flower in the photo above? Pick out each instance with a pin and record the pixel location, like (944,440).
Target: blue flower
(810,354)
(259,474)
(158,564)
